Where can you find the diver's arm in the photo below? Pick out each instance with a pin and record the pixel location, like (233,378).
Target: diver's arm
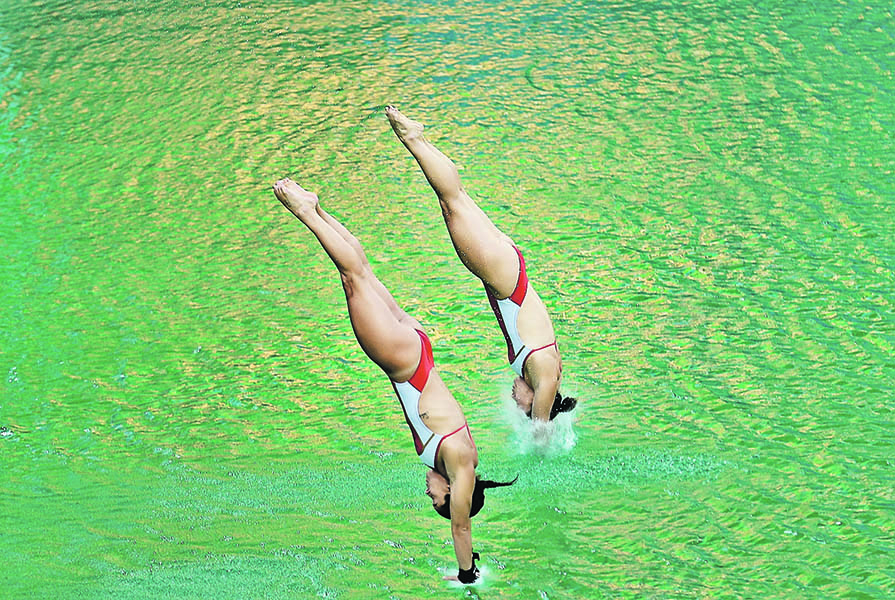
(542,372)
(544,395)
(461,524)
(462,478)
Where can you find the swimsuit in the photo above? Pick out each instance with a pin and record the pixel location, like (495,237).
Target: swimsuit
(409,393)
(507,313)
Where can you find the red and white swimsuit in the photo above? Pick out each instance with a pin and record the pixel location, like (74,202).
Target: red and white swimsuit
(409,393)
(507,313)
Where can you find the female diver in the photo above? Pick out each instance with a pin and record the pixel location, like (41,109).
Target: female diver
(493,257)
(395,341)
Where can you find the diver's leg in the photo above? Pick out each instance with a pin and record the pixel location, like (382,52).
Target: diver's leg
(389,342)
(485,250)
(354,243)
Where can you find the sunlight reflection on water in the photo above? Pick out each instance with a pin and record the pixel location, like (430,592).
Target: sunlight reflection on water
(703,191)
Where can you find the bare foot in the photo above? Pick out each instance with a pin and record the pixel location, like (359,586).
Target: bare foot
(406,129)
(299,201)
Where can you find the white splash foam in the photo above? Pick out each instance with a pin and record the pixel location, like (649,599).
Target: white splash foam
(537,437)
(481,583)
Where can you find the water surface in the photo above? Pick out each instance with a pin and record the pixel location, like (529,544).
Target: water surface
(703,192)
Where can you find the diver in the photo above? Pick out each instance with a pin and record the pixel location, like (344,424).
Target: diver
(492,256)
(396,342)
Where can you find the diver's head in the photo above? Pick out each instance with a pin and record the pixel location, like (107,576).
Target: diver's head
(439,489)
(524,396)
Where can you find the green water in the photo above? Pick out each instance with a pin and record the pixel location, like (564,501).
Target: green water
(704,195)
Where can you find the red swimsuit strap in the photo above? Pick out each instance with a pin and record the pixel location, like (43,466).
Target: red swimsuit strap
(553,343)
(460,428)
(427,361)
(518,294)
(446,436)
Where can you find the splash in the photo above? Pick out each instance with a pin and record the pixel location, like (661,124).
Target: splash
(537,437)
(485,578)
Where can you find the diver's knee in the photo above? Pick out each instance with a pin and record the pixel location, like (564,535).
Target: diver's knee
(455,203)
(352,280)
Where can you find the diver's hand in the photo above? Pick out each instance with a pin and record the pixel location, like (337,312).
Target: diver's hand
(469,575)
(466,576)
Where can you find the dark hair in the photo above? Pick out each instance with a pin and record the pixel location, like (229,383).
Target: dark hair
(562,404)
(478,497)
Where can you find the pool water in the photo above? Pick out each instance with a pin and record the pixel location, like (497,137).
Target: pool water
(704,195)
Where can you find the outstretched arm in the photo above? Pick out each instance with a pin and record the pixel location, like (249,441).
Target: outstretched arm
(461,474)
(544,395)
(543,373)
(461,524)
